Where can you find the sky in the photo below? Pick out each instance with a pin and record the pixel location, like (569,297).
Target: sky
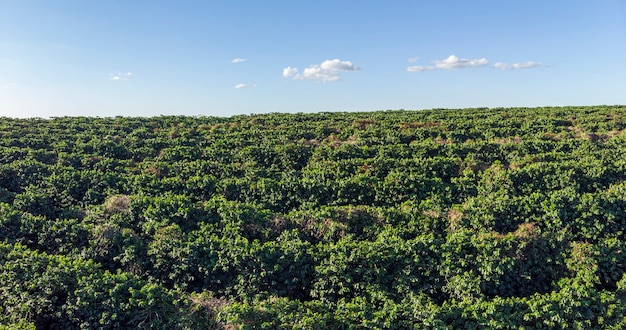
(224,58)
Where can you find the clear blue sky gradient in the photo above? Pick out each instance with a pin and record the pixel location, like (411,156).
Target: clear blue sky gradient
(149,58)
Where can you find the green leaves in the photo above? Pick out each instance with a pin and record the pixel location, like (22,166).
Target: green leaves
(473,218)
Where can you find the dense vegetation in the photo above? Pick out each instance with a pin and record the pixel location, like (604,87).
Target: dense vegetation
(474,218)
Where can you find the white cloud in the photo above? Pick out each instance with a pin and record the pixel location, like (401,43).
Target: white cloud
(328,70)
(502,66)
(289,71)
(121,76)
(453,62)
(238,60)
(239,86)
(419,68)
(413,59)
(8,85)
(337,65)
(526,65)
(515,66)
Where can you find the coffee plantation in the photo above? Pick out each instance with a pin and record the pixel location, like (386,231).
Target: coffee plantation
(433,219)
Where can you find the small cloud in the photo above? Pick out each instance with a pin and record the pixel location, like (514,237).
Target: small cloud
(413,59)
(502,66)
(451,63)
(239,86)
(289,71)
(121,76)
(328,70)
(526,65)
(238,60)
(419,68)
(515,66)
(8,85)
(336,65)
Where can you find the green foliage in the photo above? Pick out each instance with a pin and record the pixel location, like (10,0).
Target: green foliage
(445,219)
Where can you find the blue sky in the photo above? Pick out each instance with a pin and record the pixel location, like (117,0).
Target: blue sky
(222,58)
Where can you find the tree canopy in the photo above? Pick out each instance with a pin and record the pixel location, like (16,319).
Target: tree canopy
(471,218)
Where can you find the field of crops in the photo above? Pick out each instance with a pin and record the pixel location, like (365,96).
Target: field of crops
(472,218)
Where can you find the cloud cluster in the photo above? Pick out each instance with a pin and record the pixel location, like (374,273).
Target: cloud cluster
(453,62)
(239,86)
(121,76)
(450,63)
(328,70)
(515,66)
